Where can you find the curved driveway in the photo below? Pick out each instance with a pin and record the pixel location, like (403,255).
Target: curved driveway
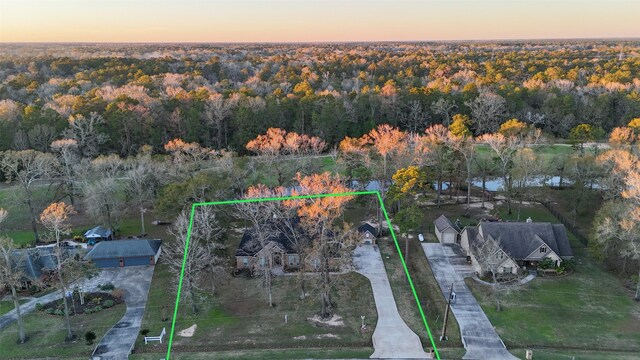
(479,337)
(392,338)
(118,341)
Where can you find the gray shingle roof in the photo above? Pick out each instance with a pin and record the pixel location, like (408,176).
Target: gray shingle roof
(98,232)
(520,239)
(472,232)
(442,223)
(32,262)
(124,248)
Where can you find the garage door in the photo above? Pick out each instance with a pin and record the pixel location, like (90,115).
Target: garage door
(106,263)
(137,261)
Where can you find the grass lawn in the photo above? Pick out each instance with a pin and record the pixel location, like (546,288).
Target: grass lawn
(265,354)
(429,293)
(239,316)
(553,354)
(7,305)
(47,332)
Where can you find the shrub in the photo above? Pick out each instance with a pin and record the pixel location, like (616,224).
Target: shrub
(88,310)
(108,303)
(38,306)
(33,289)
(546,264)
(107,287)
(569,264)
(97,308)
(97,300)
(89,337)
(144,332)
(50,311)
(58,312)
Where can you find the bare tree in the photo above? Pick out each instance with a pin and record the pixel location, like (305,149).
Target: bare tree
(27,167)
(68,157)
(505,148)
(444,108)
(330,245)
(41,136)
(487,111)
(216,112)
(490,257)
(284,153)
(186,157)
(11,274)
(101,190)
(197,249)
(86,132)
(438,154)
(141,184)
(526,164)
(260,215)
(55,218)
(414,118)
(466,147)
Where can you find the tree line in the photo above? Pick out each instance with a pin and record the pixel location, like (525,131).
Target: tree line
(224,96)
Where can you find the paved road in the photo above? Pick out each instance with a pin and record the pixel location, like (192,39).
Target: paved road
(117,342)
(392,338)
(478,335)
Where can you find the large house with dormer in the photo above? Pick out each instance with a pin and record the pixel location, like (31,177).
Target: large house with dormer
(513,245)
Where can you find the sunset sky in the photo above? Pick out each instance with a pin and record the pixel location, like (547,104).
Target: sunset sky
(312,20)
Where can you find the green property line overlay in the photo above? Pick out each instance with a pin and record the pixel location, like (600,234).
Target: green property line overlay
(314,196)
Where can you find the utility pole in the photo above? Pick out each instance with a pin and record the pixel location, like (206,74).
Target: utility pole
(446,316)
(142,211)
(406,248)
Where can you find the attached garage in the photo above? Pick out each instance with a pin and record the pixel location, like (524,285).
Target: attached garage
(121,253)
(368,234)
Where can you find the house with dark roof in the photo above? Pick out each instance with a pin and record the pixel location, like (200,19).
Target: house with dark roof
(517,245)
(368,234)
(121,253)
(279,250)
(446,231)
(36,264)
(97,234)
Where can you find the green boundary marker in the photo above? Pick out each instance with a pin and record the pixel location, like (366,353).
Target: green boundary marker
(315,196)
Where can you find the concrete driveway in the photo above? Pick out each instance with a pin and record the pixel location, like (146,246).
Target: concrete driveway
(87,285)
(392,338)
(478,335)
(118,341)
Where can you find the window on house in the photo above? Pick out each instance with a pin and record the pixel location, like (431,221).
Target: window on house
(262,261)
(499,255)
(543,249)
(507,269)
(293,259)
(245,261)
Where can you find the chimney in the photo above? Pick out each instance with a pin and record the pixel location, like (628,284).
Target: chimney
(529,220)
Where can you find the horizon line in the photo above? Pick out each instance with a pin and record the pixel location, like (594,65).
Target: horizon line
(620,38)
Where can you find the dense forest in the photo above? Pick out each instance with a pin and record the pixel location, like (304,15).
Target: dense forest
(222,96)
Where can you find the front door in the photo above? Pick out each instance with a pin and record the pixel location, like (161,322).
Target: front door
(277,259)
(121,262)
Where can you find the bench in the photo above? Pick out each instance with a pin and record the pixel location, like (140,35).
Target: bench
(156,338)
